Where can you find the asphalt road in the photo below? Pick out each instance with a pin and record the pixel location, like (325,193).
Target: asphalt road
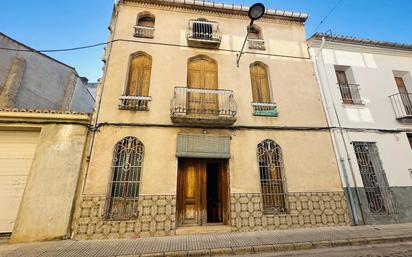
(383,250)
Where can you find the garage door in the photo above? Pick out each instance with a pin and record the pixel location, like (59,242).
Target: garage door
(16,154)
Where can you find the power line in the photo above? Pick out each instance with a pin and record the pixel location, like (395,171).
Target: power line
(142,42)
(327,16)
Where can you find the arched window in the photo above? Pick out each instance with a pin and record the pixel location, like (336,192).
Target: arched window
(140,69)
(126,176)
(272,177)
(260,83)
(145,25)
(255,38)
(202,78)
(255,32)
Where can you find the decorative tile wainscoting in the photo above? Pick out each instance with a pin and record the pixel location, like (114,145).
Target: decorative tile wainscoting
(156,218)
(157,215)
(305,210)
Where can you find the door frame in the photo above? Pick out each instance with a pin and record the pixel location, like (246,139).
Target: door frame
(202,179)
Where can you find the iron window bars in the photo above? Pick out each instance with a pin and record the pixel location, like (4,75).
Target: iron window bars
(350,94)
(272,177)
(126,175)
(375,183)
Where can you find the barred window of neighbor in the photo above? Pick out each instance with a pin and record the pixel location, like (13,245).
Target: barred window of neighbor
(272,177)
(126,175)
(378,193)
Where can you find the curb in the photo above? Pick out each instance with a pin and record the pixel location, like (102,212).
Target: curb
(284,247)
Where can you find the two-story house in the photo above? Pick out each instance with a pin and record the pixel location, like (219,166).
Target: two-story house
(366,87)
(186,141)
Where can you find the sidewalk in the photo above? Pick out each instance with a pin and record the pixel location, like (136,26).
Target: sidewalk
(216,244)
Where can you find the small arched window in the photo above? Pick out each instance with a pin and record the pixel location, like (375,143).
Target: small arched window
(272,177)
(255,32)
(145,25)
(260,82)
(255,38)
(126,176)
(140,69)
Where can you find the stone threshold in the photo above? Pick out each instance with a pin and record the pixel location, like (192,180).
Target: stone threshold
(284,247)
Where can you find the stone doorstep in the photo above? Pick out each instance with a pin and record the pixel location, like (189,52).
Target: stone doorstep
(278,247)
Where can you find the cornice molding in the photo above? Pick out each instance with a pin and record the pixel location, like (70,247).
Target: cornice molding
(370,49)
(212,11)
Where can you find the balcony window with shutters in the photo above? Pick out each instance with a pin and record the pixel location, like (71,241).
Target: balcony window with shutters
(255,38)
(145,25)
(272,177)
(124,186)
(203,33)
(262,103)
(202,101)
(136,96)
(402,101)
(349,91)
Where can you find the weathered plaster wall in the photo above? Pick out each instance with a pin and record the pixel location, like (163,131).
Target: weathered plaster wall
(292,79)
(307,155)
(42,84)
(46,206)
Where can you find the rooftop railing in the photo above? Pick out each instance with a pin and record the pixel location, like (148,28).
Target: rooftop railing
(135,103)
(142,31)
(258,44)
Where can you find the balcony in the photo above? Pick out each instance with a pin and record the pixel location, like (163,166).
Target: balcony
(257,44)
(135,103)
(350,94)
(203,34)
(203,106)
(402,105)
(144,32)
(265,109)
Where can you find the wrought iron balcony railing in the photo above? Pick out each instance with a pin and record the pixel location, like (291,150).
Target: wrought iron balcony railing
(258,44)
(204,34)
(203,106)
(135,103)
(402,105)
(265,109)
(350,94)
(142,31)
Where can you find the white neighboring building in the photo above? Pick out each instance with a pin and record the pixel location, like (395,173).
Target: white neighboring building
(367,93)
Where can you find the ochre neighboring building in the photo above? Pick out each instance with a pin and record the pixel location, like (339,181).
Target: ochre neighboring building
(186,141)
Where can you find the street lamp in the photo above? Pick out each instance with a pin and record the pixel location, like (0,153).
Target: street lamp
(256,12)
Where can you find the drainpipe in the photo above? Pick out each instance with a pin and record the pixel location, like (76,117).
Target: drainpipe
(352,205)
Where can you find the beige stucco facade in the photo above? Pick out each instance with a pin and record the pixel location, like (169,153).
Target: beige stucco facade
(315,194)
(46,205)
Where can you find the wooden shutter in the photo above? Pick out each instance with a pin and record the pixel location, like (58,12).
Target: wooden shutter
(401,85)
(260,83)
(139,75)
(344,87)
(202,73)
(341,76)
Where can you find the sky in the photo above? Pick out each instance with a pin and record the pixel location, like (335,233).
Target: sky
(47,24)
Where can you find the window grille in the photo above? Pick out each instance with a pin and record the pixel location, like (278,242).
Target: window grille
(272,177)
(374,179)
(350,94)
(126,175)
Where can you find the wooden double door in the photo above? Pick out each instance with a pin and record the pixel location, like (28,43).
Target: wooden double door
(202,192)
